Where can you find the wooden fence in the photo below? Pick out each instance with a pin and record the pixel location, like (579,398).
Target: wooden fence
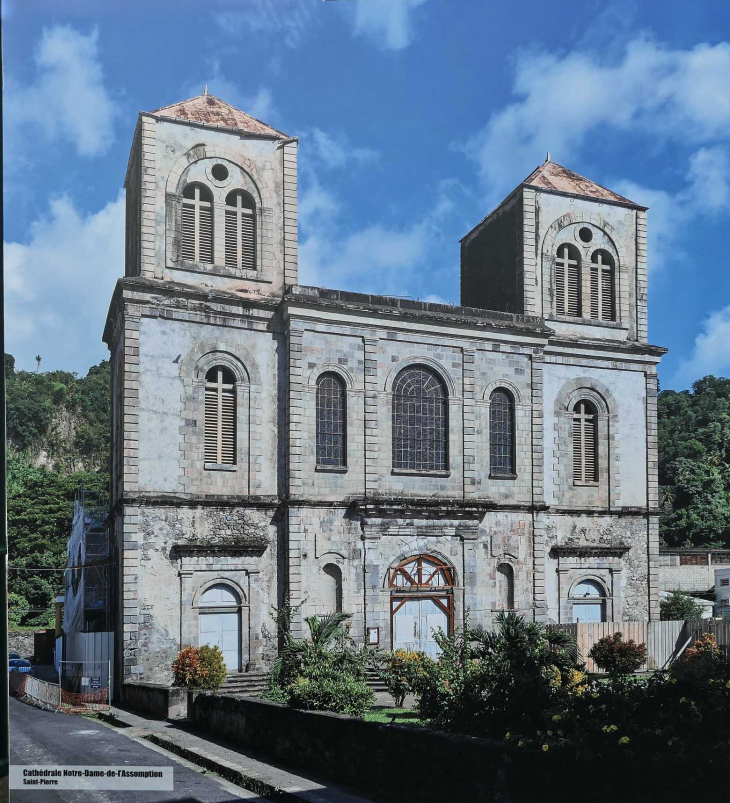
(664,640)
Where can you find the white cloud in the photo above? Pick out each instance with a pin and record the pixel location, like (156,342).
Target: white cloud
(288,19)
(59,284)
(707,191)
(387,22)
(377,259)
(711,351)
(336,151)
(68,100)
(562,99)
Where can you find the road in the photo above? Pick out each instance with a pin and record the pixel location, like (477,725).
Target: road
(43,737)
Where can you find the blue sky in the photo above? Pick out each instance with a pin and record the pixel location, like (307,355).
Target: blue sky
(415,117)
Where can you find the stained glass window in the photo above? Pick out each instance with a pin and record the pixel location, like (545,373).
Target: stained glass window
(501,433)
(419,420)
(330,421)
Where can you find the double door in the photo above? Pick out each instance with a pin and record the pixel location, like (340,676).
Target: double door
(417,619)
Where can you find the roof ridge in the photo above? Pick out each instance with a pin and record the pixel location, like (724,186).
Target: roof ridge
(548,169)
(208,97)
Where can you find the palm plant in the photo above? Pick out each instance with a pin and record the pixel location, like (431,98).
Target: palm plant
(521,643)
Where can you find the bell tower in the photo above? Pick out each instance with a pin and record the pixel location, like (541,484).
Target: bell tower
(563,248)
(212,199)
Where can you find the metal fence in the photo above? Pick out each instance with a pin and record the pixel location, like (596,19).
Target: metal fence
(35,691)
(84,686)
(665,641)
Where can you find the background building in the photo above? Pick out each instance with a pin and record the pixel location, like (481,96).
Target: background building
(396,459)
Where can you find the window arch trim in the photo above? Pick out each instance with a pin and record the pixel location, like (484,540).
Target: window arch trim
(226,581)
(409,362)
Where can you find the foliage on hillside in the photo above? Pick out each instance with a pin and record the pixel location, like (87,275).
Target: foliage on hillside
(58,438)
(694,464)
(61,419)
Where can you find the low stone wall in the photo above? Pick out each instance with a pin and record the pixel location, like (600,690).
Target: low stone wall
(155,699)
(392,762)
(21,641)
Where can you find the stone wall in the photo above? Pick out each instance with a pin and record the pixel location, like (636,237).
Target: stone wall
(21,641)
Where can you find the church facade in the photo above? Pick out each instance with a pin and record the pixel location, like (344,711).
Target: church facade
(402,461)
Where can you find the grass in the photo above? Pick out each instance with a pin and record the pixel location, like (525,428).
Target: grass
(394,716)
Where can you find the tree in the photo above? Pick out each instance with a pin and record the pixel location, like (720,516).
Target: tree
(679,606)
(694,464)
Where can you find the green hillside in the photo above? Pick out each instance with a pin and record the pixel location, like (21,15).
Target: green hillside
(58,438)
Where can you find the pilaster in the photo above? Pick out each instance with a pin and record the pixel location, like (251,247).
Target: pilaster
(372,447)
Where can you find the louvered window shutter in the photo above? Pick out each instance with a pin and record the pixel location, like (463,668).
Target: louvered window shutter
(240,231)
(585,443)
(197,224)
(602,287)
(220,417)
(567,281)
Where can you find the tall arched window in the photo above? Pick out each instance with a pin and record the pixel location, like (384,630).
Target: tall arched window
(331,429)
(419,420)
(501,433)
(567,281)
(602,286)
(505,587)
(240,213)
(220,416)
(197,223)
(585,443)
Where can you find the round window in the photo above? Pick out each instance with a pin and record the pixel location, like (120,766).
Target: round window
(585,234)
(219,172)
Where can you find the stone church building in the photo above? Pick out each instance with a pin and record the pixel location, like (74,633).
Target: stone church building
(399,460)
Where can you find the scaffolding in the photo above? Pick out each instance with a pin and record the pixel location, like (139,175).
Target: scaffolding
(87,600)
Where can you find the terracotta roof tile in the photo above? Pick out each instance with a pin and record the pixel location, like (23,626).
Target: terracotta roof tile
(552,176)
(210,110)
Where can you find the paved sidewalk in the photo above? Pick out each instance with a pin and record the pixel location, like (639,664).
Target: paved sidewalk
(242,767)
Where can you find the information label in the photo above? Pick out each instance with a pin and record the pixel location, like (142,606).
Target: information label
(46,777)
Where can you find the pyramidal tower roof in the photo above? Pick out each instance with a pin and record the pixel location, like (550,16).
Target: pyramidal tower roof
(209,110)
(552,176)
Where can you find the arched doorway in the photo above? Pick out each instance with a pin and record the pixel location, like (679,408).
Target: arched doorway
(589,601)
(422,602)
(220,623)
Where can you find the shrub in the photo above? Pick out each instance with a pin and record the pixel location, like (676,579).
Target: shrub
(400,671)
(326,672)
(331,691)
(616,656)
(485,680)
(199,668)
(701,662)
(679,606)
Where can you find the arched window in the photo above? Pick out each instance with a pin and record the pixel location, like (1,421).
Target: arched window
(602,286)
(220,595)
(331,429)
(332,588)
(240,213)
(419,420)
(501,433)
(589,602)
(505,587)
(567,281)
(197,223)
(585,443)
(220,416)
